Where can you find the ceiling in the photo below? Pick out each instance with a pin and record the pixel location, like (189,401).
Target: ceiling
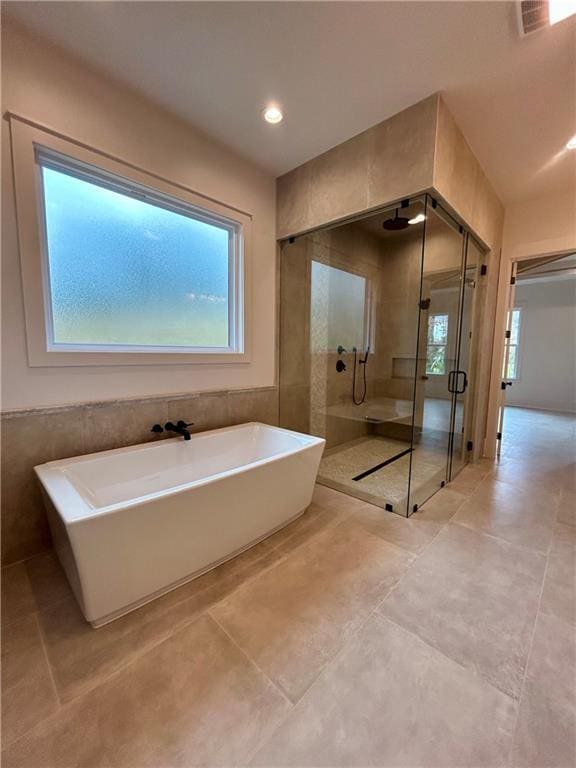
(337,68)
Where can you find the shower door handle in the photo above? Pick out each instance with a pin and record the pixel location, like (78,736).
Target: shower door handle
(459,391)
(451,376)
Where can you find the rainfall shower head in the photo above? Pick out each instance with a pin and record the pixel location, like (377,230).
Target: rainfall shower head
(398,222)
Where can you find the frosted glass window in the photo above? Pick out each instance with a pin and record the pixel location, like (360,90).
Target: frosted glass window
(339,309)
(124,271)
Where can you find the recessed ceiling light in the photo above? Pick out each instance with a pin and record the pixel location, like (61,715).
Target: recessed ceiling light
(417,219)
(559,10)
(273,115)
(572,143)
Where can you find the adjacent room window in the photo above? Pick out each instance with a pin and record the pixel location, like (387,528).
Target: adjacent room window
(513,344)
(127,269)
(123,267)
(437,342)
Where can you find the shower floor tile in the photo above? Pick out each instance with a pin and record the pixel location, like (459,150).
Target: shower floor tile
(388,485)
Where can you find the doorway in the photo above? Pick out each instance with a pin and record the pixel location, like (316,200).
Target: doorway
(538,395)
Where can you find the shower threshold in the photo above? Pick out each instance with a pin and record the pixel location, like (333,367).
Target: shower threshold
(376,470)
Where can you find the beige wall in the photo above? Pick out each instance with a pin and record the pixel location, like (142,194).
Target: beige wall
(461,182)
(392,160)
(50,413)
(540,226)
(46,86)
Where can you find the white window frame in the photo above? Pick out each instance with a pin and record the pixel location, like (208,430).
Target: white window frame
(510,344)
(430,316)
(29,143)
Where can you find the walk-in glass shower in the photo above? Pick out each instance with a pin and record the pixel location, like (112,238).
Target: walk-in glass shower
(377,349)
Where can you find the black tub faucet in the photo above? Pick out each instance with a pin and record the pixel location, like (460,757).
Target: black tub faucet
(181,428)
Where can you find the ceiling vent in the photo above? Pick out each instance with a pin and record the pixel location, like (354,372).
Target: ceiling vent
(532,16)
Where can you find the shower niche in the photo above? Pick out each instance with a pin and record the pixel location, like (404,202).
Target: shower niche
(377,349)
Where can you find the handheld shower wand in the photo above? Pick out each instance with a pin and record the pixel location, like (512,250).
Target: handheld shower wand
(363,361)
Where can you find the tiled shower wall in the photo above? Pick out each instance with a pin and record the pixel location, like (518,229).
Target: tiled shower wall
(309,383)
(32,437)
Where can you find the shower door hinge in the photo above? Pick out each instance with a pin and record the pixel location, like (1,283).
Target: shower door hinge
(512,280)
(425,304)
(498,435)
(508,335)
(469,445)
(483,269)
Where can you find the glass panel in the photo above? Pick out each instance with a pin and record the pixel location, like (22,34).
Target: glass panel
(355,285)
(462,430)
(435,373)
(126,272)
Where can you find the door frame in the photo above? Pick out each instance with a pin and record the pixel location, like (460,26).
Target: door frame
(499,339)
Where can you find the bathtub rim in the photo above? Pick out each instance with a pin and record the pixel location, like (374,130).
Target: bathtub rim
(62,491)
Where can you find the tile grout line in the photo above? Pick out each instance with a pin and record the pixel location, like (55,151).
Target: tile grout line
(529,656)
(349,642)
(252,661)
(136,655)
(73,701)
(47,659)
(276,686)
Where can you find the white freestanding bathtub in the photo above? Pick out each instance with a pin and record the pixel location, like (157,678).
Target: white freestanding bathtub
(133,523)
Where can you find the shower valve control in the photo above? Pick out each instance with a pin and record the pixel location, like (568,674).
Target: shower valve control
(340,366)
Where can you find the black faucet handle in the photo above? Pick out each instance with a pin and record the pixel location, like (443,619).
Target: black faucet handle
(158,428)
(182,424)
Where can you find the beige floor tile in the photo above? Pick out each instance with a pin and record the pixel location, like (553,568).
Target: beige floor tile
(392,700)
(28,694)
(529,474)
(475,598)
(295,617)
(470,478)
(331,499)
(195,699)
(522,517)
(567,508)
(49,583)
(546,729)
(81,656)
(17,596)
(559,593)
(412,534)
(441,507)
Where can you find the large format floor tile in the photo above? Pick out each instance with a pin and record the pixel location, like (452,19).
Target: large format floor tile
(392,700)
(195,699)
(475,598)
(81,657)
(295,617)
(17,596)
(546,731)
(441,507)
(559,593)
(28,694)
(520,516)
(412,534)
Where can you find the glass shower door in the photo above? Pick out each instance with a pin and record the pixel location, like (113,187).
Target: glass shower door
(437,372)
(463,378)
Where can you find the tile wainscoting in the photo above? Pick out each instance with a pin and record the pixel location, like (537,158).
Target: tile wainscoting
(35,436)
